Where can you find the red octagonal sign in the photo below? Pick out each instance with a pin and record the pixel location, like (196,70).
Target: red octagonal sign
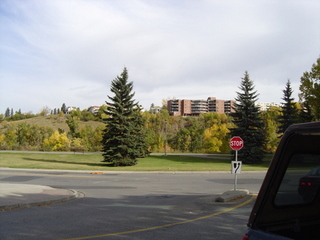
(236,143)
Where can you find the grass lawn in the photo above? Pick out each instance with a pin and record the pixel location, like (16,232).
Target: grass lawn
(92,162)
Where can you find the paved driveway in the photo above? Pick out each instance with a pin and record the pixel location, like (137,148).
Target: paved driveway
(132,206)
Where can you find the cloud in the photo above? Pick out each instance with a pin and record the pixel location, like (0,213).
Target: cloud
(58,51)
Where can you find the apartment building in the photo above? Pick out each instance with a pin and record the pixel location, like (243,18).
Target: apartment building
(185,107)
(265,106)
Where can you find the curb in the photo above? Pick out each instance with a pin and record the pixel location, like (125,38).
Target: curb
(120,172)
(232,195)
(75,194)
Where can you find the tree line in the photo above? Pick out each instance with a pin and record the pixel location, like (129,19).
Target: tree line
(208,133)
(129,133)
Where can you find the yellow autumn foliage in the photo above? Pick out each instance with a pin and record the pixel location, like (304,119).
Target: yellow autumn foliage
(214,138)
(57,142)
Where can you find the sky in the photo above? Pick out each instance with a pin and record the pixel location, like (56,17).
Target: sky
(57,51)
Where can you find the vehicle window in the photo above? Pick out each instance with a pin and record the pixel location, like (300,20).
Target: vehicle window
(301,181)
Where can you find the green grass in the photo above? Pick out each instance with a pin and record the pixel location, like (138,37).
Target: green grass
(93,162)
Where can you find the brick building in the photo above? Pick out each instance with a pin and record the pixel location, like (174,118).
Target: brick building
(185,107)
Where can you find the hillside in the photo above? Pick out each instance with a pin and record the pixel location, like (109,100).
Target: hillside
(55,122)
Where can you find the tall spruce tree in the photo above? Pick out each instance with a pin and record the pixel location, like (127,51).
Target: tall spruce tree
(123,140)
(139,133)
(7,114)
(289,111)
(249,124)
(64,108)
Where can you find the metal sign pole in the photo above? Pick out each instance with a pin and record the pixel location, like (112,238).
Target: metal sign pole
(236,143)
(235,174)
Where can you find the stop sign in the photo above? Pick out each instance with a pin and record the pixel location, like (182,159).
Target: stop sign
(236,143)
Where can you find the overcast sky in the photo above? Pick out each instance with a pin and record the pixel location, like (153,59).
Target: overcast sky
(68,51)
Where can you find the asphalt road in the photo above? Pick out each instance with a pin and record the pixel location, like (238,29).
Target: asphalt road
(132,206)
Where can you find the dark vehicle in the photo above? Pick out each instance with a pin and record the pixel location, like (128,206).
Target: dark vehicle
(288,204)
(309,184)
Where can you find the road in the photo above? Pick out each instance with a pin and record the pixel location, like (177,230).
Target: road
(132,206)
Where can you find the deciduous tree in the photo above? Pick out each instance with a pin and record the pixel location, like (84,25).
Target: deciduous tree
(310,92)
(217,133)
(57,142)
(73,126)
(270,118)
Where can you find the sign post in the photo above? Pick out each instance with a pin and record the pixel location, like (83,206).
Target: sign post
(236,143)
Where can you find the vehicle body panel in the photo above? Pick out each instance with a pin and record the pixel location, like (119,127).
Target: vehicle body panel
(281,211)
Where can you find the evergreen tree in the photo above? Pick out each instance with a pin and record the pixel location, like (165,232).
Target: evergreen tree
(7,114)
(123,140)
(248,122)
(289,111)
(305,114)
(64,108)
(139,132)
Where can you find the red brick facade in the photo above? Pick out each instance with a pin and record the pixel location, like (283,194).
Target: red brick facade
(184,107)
